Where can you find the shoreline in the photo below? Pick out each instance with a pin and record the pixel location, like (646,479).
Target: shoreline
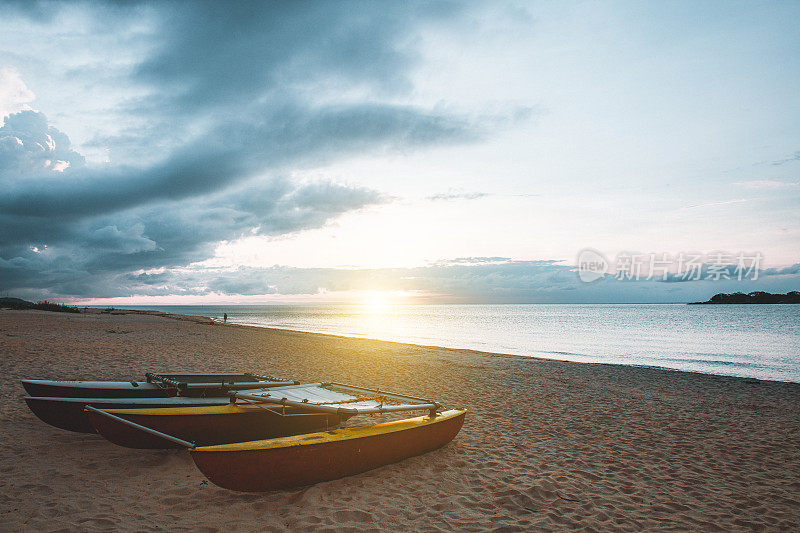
(208,320)
(547,444)
(510,355)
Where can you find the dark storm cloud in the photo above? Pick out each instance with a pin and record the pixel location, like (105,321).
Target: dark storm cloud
(171,209)
(223,53)
(169,234)
(224,156)
(236,95)
(34,9)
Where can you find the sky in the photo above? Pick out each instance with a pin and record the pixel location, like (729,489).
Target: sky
(420,152)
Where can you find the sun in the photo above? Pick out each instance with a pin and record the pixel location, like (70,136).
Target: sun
(375,302)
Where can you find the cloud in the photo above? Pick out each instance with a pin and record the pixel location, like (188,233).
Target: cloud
(782,271)
(129,241)
(479,261)
(232,100)
(792,158)
(767,184)
(173,233)
(716,204)
(453,195)
(30,148)
(488,280)
(447,282)
(220,55)
(14,94)
(290,138)
(95,220)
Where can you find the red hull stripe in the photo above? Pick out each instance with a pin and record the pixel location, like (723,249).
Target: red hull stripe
(307,459)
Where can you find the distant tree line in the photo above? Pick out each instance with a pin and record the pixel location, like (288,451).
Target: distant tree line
(19,303)
(757,297)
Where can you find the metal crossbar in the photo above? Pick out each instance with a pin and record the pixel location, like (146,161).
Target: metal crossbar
(238,385)
(358,390)
(146,429)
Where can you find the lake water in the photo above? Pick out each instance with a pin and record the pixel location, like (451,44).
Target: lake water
(756,341)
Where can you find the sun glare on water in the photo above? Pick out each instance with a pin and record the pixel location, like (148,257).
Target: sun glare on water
(376,313)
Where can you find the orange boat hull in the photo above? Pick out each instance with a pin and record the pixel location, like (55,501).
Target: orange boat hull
(307,459)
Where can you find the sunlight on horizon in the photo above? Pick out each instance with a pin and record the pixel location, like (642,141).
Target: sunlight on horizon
(376,313)
(376,302)
(373,301)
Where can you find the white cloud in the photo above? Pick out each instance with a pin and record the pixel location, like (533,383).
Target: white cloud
(59,165)
(716,204)
(768,184)
(29,145)
(14,94)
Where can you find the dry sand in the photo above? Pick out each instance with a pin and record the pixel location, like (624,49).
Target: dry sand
(547,445)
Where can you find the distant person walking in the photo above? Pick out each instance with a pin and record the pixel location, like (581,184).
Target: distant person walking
(225,317)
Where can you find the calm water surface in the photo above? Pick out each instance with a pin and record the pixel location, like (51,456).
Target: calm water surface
(738,340)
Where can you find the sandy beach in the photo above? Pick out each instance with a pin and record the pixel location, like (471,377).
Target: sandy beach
(547,445)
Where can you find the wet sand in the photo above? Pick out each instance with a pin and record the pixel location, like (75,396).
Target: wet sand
(547,445)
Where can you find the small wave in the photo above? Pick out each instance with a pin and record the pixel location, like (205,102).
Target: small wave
(719,362)
(569,354)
